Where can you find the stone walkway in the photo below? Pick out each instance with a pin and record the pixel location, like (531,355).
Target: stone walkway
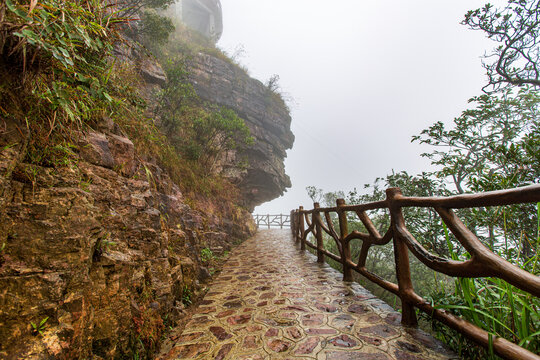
(273,301)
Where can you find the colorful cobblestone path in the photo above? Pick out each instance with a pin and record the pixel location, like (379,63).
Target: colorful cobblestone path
(273,301)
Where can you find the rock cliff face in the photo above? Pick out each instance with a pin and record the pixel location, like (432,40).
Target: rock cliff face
(102,251)
(99,255)
(258,170)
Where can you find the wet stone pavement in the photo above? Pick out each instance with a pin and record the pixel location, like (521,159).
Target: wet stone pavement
(273,301)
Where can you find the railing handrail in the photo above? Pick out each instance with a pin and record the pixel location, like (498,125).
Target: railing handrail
(287,215)
(483,262)
(524,194)
(269,220)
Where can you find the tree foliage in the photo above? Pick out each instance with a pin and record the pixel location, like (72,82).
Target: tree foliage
(155,30)
(217,132)
(314,193)
(491,146)
(202,132)
(515,61)
(489,303)
(130,8)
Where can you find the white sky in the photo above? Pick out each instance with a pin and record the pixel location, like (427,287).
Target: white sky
(365,77)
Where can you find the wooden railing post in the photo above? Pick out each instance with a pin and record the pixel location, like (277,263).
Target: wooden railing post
(316,218)
(302,229)
(343,229)
(401,255)
(291,221)
(297,226)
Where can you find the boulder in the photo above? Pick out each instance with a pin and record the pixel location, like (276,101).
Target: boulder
(152,72)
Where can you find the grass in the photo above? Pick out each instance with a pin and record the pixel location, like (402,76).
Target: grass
(207,255)
(493,305)
(187,295)
(39,328)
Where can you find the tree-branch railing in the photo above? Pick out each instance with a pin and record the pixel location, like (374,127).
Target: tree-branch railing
(482,263)
(281,220)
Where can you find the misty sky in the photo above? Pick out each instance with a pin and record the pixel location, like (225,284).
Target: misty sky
(365,77)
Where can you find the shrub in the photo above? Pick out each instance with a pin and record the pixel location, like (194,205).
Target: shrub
(155,30)
(63,64)
(201,132)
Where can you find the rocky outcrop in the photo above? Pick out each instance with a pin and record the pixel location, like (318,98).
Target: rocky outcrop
(102,252)
(258,170)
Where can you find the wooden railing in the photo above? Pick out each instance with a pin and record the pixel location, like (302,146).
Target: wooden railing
(281,220)
(482,263)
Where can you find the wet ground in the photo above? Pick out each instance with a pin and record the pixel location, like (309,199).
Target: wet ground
(273,301)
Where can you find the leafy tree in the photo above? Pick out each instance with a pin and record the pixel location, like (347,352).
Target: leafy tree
(201,132)
(147,25)
(314,193)
(329,199)
(491,146)
(424,223)
(516,27)
(217,132)
(155,30)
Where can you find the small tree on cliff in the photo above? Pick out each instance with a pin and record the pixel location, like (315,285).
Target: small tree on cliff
(219,131)
(201,132)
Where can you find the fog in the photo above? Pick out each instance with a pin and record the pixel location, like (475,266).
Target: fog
(364,76)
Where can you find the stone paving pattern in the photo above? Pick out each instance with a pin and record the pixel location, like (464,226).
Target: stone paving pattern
(273,301)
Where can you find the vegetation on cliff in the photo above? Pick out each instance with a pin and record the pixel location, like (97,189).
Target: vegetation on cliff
(108,185)
(255,166)
(55,71)
(61,78)
(202,134)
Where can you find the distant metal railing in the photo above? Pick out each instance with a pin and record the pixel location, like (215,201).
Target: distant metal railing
(281,220)
(483,262)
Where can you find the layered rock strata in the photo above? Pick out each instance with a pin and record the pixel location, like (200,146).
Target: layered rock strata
(102,252)
(258,170)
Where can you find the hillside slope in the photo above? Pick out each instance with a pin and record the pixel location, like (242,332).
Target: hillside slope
(104,217)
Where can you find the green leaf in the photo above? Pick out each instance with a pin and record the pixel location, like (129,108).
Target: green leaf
(43,321)
(478,311)
(64,52)
(528,338)
(82,78)
(18,11)
(30,35)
